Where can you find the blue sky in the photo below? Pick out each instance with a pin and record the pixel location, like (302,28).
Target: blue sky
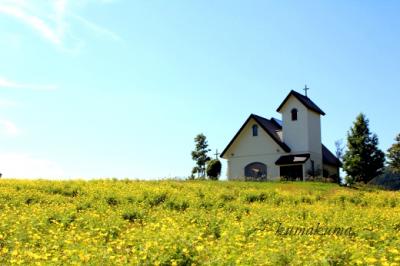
(103,88)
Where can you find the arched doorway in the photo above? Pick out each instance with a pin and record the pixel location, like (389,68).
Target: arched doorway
(256,171)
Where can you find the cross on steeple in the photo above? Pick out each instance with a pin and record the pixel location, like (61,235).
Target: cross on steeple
(216,154)
(305,90)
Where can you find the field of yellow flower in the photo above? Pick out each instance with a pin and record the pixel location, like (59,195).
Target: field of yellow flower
(110,222)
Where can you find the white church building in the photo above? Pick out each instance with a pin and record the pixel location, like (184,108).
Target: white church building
(290,148)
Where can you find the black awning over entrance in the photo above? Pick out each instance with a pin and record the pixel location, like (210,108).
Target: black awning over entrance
(293,159)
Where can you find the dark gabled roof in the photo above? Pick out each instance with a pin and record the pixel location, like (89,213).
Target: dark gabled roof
(269,127)
(293,159)
(304,100)
(329,158)
(277,122)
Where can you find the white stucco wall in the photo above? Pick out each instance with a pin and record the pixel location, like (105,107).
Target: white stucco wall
(248,149)
(314,132)
(295,133)
(304,134)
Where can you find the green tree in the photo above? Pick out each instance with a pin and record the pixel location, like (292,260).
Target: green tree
(200,155)
(394,156)
(214,169)
(363,159)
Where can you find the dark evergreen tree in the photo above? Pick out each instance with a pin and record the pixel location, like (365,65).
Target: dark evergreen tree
(394,156)
(363,159)
(200,155)
(214,169)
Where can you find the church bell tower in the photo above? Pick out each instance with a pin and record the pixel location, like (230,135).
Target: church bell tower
(301,129)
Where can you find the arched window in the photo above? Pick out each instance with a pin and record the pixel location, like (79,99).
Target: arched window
(255,130)
(255,171)
(294,114)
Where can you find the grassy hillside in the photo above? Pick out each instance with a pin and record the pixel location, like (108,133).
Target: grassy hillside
(184,223)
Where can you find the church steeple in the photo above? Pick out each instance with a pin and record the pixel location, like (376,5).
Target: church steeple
(301,129)
(304,100)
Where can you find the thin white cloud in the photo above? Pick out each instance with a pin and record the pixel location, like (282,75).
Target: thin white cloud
(54,20)
(8,128)
(9,84)
(35,22)
(98,30)
(5,103)
(19,165)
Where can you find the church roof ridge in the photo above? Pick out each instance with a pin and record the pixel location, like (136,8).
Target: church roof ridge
(304,100)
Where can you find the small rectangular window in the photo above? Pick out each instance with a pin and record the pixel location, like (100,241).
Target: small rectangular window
(255,131)
(294,115)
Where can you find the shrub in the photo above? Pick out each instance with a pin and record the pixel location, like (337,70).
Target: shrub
(214,169)
(213,229)
(177,205)
(227,197)
(30,200)
(157,199)
(250,198)
(112,201)
(132,216)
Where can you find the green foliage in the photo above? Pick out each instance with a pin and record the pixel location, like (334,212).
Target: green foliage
(132,216)
(177,205)
(155,199)
(394,156)
(363,159)
(112,201)
(214,169)
(250,198)
(199,155)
